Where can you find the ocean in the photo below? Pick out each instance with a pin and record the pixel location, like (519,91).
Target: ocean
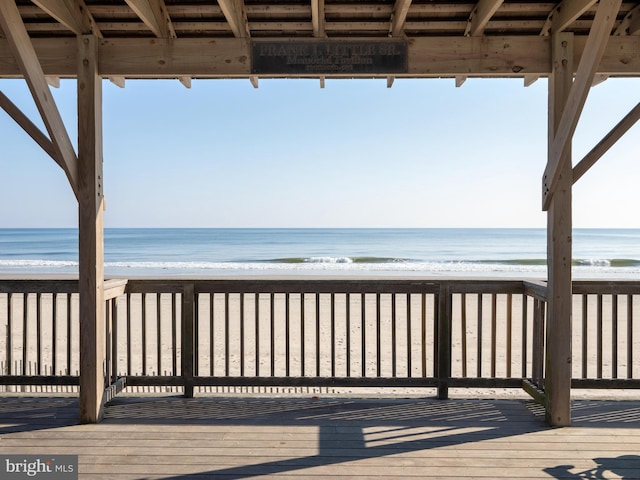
(502,252)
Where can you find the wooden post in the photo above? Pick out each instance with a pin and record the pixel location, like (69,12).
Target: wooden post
(444,340)
(188,339)
(91,243)
(559,250)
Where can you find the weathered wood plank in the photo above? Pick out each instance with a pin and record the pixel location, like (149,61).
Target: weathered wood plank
(230,57)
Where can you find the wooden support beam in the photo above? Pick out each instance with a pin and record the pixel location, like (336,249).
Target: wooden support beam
(318,18)
(27,60)
(155,16)
(28,126)
(564,14)
(73,14)
(399,17)
(594,49)
(235,13)
(557,384)
(428,57)
(480,16)
(606,143)
(91,232)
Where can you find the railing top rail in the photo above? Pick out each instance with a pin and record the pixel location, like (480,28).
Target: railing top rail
(41,285)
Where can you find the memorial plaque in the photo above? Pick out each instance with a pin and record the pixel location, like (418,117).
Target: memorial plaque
(329,57)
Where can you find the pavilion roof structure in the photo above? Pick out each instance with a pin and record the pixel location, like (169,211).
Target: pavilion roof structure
(213,39)
(573,43)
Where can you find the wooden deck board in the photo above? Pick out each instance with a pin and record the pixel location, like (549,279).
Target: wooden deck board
(208,437)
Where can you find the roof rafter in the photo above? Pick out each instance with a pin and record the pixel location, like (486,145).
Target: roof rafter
(480,16)
(73,14)
(586,71)
(155,16)
(399,17)
(318,18)
(236,14)
(564,14)
(26,57)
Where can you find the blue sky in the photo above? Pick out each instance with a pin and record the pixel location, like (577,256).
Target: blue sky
(354,154)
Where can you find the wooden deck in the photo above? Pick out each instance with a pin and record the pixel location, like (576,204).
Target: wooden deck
(172,437)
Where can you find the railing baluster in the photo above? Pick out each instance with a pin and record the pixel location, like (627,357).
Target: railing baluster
(409,328)
(242,334)
(424,334)
(174,335)
(302,335)
(479,338)
(463,328)
(348,333)
(69,339)
(54,333)
(614,336)
(509,333)
(227,335)
(159,331)
(212,340)
(630,320)
(272,314)
(494,333)
(317,334)
(600,324)
(363,324)
(378,346)
(25,332)
(393,335)
(333,334)
(144,333)
(525,336)
(9,352)
(257,333)
(585,335)
(287,334)
(39,333)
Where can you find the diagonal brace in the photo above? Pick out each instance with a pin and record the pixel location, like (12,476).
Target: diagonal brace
(591,57)
(25,55)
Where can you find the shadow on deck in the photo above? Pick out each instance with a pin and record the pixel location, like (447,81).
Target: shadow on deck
(347,437)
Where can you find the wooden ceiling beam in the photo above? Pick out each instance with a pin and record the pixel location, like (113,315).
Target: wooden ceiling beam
(586,71)
(73,14)
(155,16)
(31,69)
(399,17)
(480,16)
(488,56)
(236,15)
(318,18)
(606,143)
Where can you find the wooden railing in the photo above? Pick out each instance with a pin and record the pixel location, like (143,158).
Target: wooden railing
(376,333)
